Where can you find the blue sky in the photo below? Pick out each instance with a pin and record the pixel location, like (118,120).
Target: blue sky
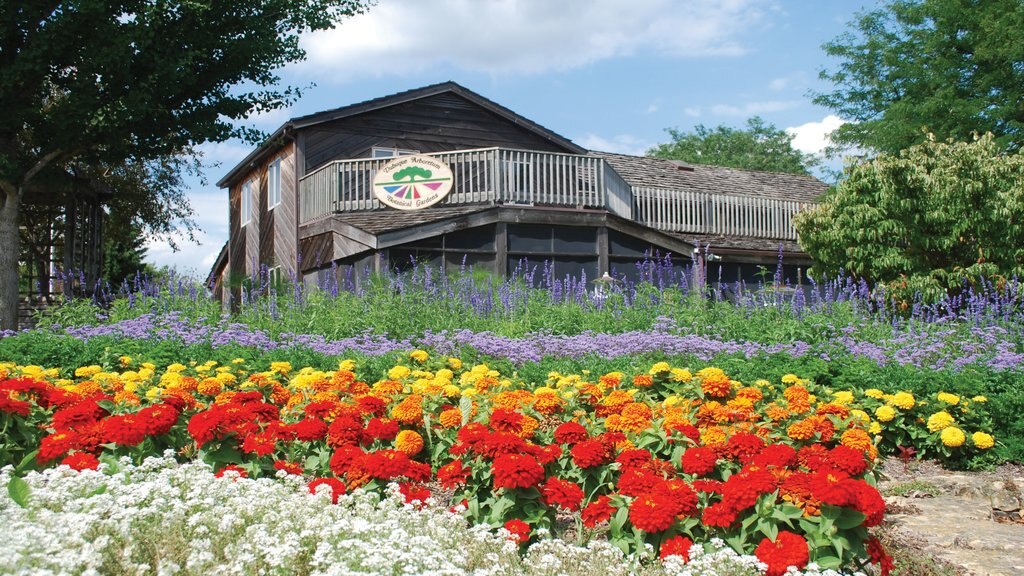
(610,75)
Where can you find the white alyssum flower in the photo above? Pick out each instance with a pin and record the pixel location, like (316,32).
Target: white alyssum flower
(165,518)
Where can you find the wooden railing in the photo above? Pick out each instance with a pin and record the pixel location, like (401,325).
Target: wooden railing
(521,177)
(490,176)
(708,213)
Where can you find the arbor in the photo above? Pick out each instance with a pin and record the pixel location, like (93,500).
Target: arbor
(924,220)
(110,83)
(946,67)
(761,146)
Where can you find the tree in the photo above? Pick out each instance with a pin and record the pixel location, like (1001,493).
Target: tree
(925,220)
(950,68)
(100,82)
(761,146)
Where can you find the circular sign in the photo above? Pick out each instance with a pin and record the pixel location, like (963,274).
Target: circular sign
(412,182)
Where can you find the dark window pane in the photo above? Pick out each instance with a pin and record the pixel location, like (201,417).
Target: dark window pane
(575,267)
(523,238)
(455,262)
(432,242)
(479,238)
(621,244)
(402,260)
(574,240)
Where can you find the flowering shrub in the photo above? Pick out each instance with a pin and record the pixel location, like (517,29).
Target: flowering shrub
(780,470)
(104,521)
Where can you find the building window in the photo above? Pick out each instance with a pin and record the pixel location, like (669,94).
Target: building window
(569,250)
(274,184)
(246,203)
(379,152)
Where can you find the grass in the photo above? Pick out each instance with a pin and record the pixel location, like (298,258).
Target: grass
(913,489)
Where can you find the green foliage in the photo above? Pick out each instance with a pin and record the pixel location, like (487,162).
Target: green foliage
(954,68)
(761,146)
(927,220)
(136,84)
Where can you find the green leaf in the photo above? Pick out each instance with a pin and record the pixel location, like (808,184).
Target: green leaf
(466,408)
(27,462)
(19,491)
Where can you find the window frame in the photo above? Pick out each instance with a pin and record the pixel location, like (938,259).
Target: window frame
(391,152)
(245,207)
(274,184)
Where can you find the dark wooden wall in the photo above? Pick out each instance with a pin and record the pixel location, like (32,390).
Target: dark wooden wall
(434,124)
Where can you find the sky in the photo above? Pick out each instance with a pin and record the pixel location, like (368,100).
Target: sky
(610,75)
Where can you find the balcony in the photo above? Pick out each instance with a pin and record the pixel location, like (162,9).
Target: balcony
(499,176)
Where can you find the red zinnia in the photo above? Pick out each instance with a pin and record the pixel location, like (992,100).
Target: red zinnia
(232,468)
(634,458)
(777,455)
(386,464)
(414,493)
(517,471)
(699,461)
(590,453)
(309,429)
(652,512)
(787,550)
(745,446)
(289,467)
(562,493)
(382,429)
(453,474)
(676,546)
(598,511)
(520,530)
(879,556)
(570,433)
(336,486)
(848,460)
(81,461)
(343,458)
(719,515)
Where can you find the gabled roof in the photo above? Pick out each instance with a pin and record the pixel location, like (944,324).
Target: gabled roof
(385,101)
(644,171)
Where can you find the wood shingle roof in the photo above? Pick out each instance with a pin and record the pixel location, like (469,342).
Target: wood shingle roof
(644,171)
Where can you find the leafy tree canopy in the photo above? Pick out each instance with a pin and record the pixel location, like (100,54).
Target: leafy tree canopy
(928,219)
(760,146)
(950,68)
(135,81)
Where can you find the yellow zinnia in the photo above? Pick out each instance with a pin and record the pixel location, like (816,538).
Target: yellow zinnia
(903,400)
(939,421)
(951,399)
(885,413)
(983,441)
(953,437)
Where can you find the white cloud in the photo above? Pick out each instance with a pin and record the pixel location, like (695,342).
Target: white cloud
(211,215)
(754,108)
(621,144)
(812,137)
(651,108)
(778,84)
(524,36)
(224,154)
(693,111)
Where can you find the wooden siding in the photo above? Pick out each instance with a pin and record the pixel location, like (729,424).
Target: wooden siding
(236,243)
(317,251)
(442,122)
(286,220)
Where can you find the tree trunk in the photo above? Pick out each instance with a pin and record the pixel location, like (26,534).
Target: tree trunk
(10,247)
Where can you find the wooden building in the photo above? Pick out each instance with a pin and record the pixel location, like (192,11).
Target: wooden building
(304,204)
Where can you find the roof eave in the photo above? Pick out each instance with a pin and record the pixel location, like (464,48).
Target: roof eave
(253,157)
